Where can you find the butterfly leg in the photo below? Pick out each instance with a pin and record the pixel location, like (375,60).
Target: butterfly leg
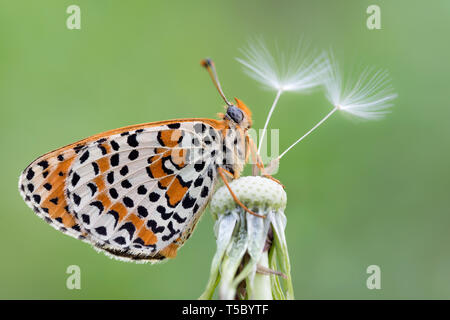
(235,198)
(258,164)
(268,176)
(251,150)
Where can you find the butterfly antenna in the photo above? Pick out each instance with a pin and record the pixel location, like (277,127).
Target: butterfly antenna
(209,66)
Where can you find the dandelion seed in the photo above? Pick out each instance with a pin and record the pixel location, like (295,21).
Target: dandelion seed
(297,71)
(368,97)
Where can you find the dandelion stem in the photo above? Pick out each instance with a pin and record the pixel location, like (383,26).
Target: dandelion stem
(274,104)
(306,134)
(262,288)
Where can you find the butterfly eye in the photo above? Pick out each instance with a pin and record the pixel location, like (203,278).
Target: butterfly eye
(235,114)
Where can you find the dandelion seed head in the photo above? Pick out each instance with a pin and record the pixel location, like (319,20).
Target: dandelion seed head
(369,96)
(295,71)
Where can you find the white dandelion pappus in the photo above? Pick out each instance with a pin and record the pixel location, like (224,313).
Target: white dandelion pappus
(298,71)
(368,97)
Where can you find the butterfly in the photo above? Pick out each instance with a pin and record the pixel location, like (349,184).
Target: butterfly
(136,193)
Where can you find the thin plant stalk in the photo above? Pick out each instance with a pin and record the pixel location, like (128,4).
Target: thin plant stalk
(274,104)
(262,288)
(310,131)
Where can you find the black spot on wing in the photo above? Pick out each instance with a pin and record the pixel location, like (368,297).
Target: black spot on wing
(120,240)
(164,167)
(132,140)
(210,173)
(128,202)
(198,182)
(199,166)
(205,192)
(84,156)
(126,184)
(129,226)
(149,172)
(153,197)
(98,205)
(213,133)
(142,211)
(113,193)
(93,188)
(160,140)
(95,167)
(101,231)
(37,198)
(124,170)
(30,174)
(102,149)
(164,214)
(188,201)
(199,127)
(138,243)
(114,160)
(115,215)
(142,190)
(75,179)
(178,218)
(152,225)
(76,199)
(114,145)
(184,183)
(86,219)
(133,155)
(110,177)
(78,147)
(174,125)
(207,140)
(172,231)
(43,164)
(196,207)
(195,142)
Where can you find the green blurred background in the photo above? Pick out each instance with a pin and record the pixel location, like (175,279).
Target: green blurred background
(359,193)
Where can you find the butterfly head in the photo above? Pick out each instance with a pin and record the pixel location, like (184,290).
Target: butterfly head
(240,114)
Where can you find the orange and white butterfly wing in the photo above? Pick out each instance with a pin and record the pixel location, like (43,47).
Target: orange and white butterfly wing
(42,186)
(135,192)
